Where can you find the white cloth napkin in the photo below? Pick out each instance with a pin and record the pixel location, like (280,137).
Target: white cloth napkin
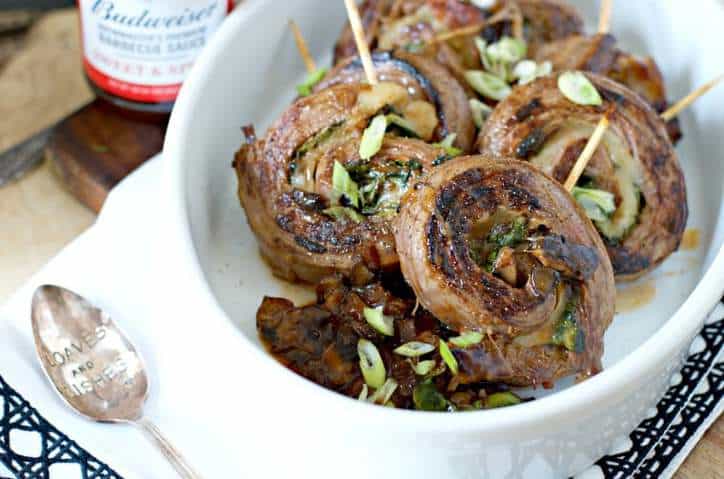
(116,264)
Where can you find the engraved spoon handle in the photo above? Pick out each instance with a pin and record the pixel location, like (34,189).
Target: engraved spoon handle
(173,455)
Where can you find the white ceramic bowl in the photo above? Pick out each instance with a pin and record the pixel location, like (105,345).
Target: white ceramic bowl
(246,75)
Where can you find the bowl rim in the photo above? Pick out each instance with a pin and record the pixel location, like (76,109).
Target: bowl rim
(613,384)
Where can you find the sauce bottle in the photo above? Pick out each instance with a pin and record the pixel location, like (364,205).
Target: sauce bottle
(136,53)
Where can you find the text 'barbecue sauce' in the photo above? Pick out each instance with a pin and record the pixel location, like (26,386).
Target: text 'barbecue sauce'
(137,53)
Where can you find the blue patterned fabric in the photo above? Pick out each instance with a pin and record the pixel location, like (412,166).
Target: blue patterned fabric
(45,449)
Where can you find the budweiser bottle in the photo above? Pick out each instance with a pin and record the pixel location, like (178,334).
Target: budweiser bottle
(136,53)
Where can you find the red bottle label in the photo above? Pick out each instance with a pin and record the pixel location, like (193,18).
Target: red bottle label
(142,50)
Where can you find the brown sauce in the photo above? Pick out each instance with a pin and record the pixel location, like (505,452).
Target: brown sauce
(691,240)
(634,296)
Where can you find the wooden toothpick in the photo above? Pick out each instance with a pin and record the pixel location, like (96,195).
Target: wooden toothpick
(604,16)
(475,28)
(303,48)
(460,32)
(685,102)
(359,37)
(587,153)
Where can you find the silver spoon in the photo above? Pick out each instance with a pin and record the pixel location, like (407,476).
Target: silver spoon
(93,366)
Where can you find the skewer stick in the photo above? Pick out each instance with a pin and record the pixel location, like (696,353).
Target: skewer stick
(682,104)
(517,15)
(587,153)
(303,48)
(361,40)
(604,17)
(473,29)
(460,32)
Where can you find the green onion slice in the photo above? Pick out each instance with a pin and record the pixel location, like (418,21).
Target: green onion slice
(507,50)
(414,349)
(578,88)
(372,137)
(482,47)
(487,84)
(370,362)
(448,357)
(305,88)
(467,339)
(364,393)
(377,319)
(427,398)
(599,204)
(403,123)
(528,70)
(502,400)
(423,368)
(385,392)
(342,212)
(480,111)
(448,145)
(344,185)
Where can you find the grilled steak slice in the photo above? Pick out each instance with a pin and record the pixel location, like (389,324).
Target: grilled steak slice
(636,166)
(599,54)
(497,247)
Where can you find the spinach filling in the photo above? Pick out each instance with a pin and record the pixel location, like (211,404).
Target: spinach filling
(566,331)
(381,186)
(301,172)
(485,252)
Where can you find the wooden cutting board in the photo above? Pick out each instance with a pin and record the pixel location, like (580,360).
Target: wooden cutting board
(98,146)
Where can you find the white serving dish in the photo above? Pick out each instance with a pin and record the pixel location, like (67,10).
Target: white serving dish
(246,75)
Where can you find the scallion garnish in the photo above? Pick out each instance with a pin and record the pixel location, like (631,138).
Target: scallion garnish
(343,185)
(447,145)
(506,50)
(503,399)
(467,339)
(487,84)
(414,349)
(372,137)
(598,204)
(480,111)
(404,124)
(305,88)
(448,357)
(528,70)
(578,88)
(385,392)
(423,368)
(364,393)
(370,363)
(377,319)
(427,398)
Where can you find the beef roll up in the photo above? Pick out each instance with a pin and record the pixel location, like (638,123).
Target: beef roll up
(599,54)
(320,188)
(392,24)
(633,187)
(419,25)
(428,83)
(499,252)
